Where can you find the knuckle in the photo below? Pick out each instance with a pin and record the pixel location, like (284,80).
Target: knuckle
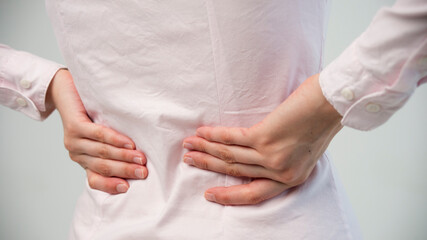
(73,157)
(233,171)
(226,155)
(254,198)
(292,178)
(261,139)
(79,159)
(67,144)
(203,146)
(203,164)
(92,182)
(99,134)
(103,169)
(276,163)
(300,180)
(287,177)
(104,152)
(115,140)
(207,132)
(226,137)
(261,142)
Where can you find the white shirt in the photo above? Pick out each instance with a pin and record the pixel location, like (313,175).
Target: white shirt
(156,71)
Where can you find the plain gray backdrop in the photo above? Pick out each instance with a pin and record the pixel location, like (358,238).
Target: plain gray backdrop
(382,170)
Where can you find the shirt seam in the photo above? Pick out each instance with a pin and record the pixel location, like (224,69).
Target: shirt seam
(214,63)
(216,85)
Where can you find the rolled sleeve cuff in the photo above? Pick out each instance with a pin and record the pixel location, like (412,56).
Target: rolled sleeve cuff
(24,81)
(364,101)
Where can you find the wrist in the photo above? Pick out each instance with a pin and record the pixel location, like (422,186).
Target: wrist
(61,78)
(325,120)
(323,107)
(313,112)
(308,112)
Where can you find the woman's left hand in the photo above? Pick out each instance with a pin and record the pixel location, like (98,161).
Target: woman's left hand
(278,153)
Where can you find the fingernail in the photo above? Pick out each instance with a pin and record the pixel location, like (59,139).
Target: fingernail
(188,160)
(210,197)
(139,173)
(188,145)
(137,160)
(128,146)
(121,188)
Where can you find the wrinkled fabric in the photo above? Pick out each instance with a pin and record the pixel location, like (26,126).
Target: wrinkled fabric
(156,71)
(24,80)
(383,66)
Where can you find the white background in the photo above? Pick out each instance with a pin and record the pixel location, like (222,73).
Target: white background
(383,170)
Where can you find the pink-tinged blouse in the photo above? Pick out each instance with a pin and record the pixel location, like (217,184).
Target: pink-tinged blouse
(157,70)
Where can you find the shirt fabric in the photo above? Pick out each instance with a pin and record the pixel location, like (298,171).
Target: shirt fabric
(380,70)
(24,80)
(158,70)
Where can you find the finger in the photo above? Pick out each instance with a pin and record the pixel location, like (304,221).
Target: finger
(227,153)
(102,150)
(246,194)
(211,163)
(106,135)
(110,185)
(112,168)
(229,136)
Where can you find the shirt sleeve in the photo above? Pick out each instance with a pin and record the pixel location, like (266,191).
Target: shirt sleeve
(24,80)
(380,70)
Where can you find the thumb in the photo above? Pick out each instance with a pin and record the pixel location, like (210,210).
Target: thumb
(246,194)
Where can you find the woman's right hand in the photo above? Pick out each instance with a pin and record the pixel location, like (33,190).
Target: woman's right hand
(108,156)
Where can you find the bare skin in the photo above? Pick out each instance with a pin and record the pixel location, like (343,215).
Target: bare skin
(107,156)
(280,152)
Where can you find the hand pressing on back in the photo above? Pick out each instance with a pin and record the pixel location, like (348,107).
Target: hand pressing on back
(107,156)
(278,153)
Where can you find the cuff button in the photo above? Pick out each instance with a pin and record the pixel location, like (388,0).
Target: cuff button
(21,102)
(25,83)
(347,93)
(372,107)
